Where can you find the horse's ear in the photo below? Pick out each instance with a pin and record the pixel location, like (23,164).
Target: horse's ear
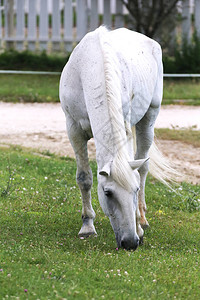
(105,171)
(136,164)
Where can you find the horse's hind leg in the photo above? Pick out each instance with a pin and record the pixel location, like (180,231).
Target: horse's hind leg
(79,140)
(144,139)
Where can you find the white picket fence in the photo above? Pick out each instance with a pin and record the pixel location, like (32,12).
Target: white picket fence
(60,24)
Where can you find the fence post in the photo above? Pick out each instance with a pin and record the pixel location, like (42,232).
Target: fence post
(20,25)
(119,20)
(43,25)
(56,24)
(94,16)
(32,25)
(197,17)
(81,14)
(68,25)
(186,22)
(107,13)
(9,24)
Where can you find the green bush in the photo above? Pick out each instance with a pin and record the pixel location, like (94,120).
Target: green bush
(186,58)
(13,60)
(169,64)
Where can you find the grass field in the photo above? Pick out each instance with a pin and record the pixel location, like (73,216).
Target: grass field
(41,256)
(181,91)
(29,88)
(40,88)
(186,135)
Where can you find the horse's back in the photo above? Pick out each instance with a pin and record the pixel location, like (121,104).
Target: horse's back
(131,41)
(137,57)
(140,60)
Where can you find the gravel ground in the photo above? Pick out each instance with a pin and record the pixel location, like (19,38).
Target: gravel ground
(42,126)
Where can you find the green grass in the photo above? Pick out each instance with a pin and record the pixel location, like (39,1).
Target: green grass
(41,256)
(188,136)
(29,88)
(184,91)
(42,88)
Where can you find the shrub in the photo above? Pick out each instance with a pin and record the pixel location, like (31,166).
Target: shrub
(13,60)
(186,58)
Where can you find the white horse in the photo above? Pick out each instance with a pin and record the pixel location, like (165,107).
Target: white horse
(113,82)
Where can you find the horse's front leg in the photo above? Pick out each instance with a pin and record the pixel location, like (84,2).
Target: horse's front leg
(84,180)
(144,139)
(83,176)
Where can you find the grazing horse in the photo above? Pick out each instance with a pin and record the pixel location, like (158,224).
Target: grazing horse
(111,85)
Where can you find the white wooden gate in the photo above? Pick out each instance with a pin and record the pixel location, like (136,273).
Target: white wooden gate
(31,24)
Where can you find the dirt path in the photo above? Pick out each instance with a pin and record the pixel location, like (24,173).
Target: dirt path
(42,126)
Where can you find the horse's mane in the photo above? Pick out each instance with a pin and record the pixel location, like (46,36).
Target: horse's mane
(120,170)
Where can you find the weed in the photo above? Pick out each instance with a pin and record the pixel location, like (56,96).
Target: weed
(192,201)
(8,189)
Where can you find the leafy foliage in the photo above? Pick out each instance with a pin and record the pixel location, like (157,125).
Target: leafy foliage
(13,60)
(186,58)
(148,16)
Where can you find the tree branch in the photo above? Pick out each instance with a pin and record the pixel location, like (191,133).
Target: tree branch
(148,18)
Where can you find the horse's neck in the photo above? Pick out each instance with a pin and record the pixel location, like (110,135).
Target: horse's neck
(93,84)
(101,87)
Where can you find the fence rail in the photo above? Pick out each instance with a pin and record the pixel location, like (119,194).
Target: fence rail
(166,75)
(31,24)
(29,72)
(182,75)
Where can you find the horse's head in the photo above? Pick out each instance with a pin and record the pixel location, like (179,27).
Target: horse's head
(120,204)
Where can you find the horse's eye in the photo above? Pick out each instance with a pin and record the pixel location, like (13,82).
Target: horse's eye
(108,192)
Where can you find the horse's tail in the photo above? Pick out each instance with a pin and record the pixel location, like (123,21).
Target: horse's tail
(160,168)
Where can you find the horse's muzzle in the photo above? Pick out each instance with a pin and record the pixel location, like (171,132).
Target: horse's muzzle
(130,244)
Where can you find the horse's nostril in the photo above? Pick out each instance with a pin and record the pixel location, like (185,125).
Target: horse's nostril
(123,244)
(129,244)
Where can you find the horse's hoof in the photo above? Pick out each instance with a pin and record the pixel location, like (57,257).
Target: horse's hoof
(87,234)
(144,223)
(87,231)
(141,241)
(145,226)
